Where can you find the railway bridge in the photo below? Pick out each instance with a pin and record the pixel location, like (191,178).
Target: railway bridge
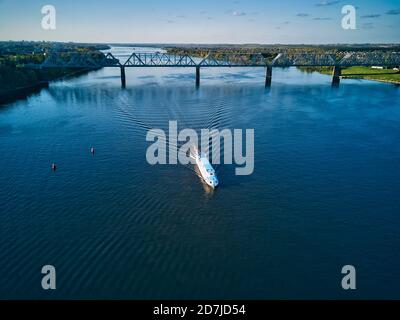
(96,60)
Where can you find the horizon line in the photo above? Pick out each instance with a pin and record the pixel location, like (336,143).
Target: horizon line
(208,43)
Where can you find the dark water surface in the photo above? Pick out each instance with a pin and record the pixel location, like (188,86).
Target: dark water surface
(324,193)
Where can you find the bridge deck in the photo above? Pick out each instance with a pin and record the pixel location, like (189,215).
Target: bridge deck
(165,60)
(217,60)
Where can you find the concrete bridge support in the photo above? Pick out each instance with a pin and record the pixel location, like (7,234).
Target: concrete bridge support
(123,78)
(337,73)
(268,77)
(197,76)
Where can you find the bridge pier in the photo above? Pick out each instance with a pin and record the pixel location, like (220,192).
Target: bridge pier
(123,78)
(197,76)
(337,73)
(268,77)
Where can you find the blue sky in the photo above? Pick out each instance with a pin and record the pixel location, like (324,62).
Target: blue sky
(202,21)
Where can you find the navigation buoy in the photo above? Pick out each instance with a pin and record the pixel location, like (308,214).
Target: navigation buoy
(53,167)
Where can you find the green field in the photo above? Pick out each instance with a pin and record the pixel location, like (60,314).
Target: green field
(385,75)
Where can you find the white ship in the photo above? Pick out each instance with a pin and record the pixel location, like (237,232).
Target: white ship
(206,169)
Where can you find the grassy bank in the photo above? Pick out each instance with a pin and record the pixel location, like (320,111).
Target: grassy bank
(384,75)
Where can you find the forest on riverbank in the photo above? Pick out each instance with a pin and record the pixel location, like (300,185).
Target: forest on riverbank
(16,80)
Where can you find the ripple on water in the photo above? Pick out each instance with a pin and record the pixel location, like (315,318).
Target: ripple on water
(116,227)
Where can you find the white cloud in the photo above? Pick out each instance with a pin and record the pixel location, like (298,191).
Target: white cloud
(238,13)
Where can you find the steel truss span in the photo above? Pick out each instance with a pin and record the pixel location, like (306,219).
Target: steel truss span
(159,59)
(97,60)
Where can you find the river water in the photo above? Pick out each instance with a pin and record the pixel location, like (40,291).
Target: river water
(324,192)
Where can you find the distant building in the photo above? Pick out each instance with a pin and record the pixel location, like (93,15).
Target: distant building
(376,67)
